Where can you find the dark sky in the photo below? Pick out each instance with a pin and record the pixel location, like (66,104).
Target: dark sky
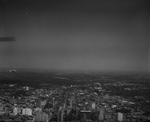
(106,35)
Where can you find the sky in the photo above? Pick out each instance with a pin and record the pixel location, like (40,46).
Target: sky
(100,35)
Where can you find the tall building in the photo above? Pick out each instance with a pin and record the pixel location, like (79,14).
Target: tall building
(87,113)
(120,117)
(71,103)
(101,115)
(41,117)
(23,111)
(62,114)
(69,114)
(28,111)
(15,111)
(38,117)
(58,115)
(93,105)
(44,117)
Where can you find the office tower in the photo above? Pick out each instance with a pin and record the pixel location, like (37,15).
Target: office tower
(84,119)
(15,111)
(44,117)
(69,115)
(28,111)
(70,103)
(38,117)
(101,115)
(58,115)
(120,117)
(41,117)
(93,105)
(23,111)
(61,116)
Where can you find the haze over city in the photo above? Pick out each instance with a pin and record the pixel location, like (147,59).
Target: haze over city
(74,61)
(76,35)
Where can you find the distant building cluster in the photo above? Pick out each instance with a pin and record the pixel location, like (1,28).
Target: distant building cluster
(72,103)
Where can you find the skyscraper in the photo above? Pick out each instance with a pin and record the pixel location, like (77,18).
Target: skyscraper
(101,115)
(120,117)
(71,103)
(15,111)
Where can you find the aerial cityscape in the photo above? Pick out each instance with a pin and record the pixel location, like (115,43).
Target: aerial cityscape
(74,61)
(69,96)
